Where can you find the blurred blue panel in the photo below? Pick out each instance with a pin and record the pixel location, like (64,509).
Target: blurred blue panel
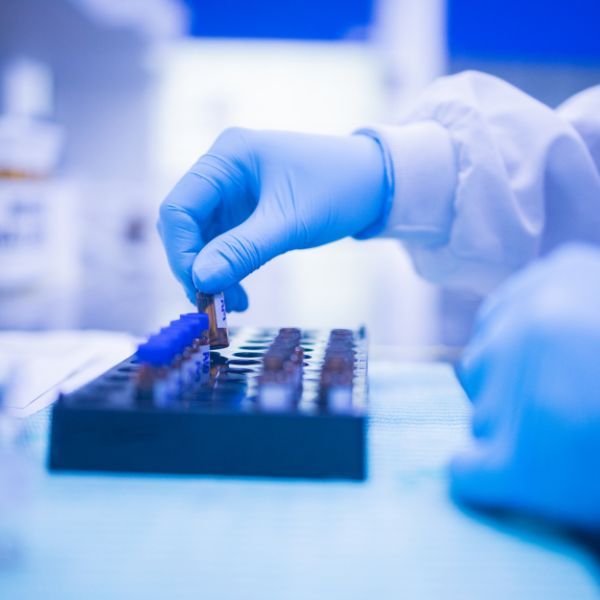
(527,30)
(291,19)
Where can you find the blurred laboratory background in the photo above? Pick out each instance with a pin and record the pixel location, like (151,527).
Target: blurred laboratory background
(105,103)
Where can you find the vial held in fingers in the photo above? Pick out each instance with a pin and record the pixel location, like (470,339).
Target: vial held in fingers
(213,305)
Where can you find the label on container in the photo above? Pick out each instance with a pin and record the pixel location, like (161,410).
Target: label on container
(205,353)
(220,310)
(202,364)
(205,373)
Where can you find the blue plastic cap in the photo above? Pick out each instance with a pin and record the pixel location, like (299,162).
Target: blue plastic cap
(188,327)
(201,319)
(156,352)
(177,336)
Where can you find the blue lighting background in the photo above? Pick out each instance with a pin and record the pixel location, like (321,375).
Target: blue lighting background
(533,30)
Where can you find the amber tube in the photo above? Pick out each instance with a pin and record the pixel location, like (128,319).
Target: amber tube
(214,306)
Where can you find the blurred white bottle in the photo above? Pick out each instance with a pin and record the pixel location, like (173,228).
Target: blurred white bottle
(30,147)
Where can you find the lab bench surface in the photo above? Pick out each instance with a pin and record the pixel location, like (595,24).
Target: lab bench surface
(397,535)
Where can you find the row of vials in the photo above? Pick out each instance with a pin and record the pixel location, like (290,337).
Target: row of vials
(280,382)
(174,359)
(177,358)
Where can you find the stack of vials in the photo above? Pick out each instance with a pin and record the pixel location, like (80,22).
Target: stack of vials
(174,360)
(337,372)
(280,383)
(274,403)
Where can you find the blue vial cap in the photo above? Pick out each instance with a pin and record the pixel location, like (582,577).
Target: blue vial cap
(188,329)
(200,319)
(156,352)
(176,336)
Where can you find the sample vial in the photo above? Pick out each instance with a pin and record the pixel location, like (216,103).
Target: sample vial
(275,385)
(189,347)
(213,305)
(337,373)
(336,391)
(201,345)
(280,382)
(178,338)
(152,383)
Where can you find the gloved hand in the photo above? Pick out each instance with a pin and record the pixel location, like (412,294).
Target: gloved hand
(532,371)
(257,194)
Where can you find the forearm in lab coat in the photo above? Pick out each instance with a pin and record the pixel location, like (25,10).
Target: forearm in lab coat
(485,179)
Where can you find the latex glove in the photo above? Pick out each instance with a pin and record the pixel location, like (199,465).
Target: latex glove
(257,194)
(532,371)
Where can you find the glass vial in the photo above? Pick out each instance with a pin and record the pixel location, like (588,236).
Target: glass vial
(213,305)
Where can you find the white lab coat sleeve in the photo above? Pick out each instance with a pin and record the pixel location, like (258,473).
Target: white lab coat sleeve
(485,179)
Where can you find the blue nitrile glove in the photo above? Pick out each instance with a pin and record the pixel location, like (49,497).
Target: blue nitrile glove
(257,194)
(532,371)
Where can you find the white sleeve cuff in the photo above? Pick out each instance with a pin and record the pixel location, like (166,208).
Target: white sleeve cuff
(423,167)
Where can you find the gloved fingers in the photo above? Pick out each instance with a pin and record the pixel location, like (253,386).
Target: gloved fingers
(480,355)
(219,175)
(181,214)
(509,293)
(494,370)
(230,257)
(236,298)
(492,415)
(181,250)
(476,372)
(498,324)
(192,207)
(480,475)
(471,369)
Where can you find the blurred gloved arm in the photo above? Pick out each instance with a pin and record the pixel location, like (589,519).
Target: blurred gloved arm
(532,373)
(486,179)
(477,181)
(257,194)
